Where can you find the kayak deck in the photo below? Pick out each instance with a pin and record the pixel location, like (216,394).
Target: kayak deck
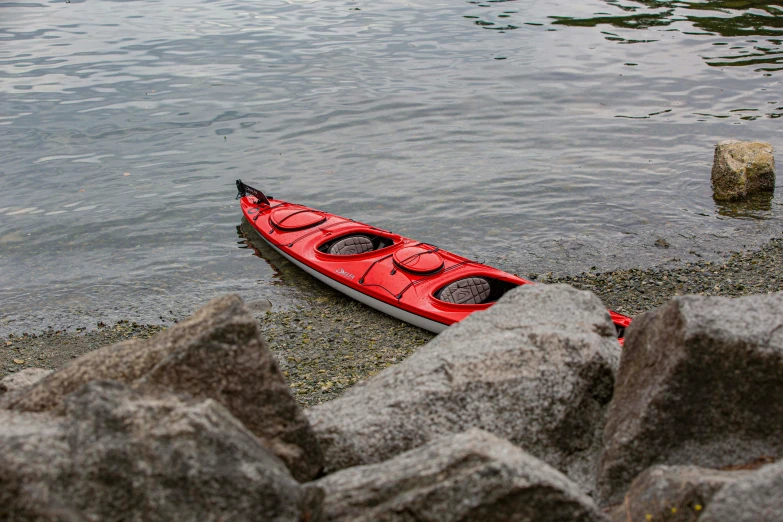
(416,282)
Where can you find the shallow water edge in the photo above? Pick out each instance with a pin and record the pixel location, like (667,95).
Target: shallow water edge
(326,342)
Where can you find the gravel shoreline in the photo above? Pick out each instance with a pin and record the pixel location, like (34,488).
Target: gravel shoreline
(635,291)
(329,342)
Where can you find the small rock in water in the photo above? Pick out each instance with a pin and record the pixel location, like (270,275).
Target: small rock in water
(261,305)
(741,168)
(661,243)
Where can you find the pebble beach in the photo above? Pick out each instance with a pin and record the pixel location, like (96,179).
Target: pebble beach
(329,342)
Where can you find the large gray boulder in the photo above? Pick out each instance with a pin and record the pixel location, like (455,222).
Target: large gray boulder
(741,168)
(755,498)
(119,455)
(217,353)
(537,369)
(700,382)
(673,493)
(470,476)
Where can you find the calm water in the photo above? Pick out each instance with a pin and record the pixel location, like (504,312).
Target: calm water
(537,136)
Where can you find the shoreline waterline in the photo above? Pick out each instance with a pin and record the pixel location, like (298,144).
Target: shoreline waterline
(328,342)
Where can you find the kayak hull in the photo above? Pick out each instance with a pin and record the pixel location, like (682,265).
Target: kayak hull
(398,313)
(404,278)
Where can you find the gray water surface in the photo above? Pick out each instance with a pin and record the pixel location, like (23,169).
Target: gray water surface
(536,136)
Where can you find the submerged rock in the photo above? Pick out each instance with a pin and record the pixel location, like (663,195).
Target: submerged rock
(741,168)
(470,476)
(537,369)
(115,454)
(700,382)
(217,353)
(662,243)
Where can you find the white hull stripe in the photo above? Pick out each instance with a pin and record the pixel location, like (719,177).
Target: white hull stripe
(402,315)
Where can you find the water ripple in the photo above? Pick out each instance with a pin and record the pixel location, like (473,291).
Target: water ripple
(548,136)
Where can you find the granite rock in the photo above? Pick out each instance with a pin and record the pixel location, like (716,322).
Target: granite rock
(110,453)
(741,168)
(673,493)
(757,497)
(701,383)
(470,476)
(217,353)
(23,379)
(537,368)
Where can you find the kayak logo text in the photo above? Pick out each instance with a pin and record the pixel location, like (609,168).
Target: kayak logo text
(343,273)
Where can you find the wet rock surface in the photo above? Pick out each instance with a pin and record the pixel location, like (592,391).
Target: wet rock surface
(114,454)
(741,168)
(537,369)
(219,354)
(469,476)
(700,383)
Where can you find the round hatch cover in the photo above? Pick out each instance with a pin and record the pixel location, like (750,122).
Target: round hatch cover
(418,259)
(296,218)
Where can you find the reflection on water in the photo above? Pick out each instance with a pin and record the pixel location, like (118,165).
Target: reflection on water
(284,270)
(755,206)
(725,18)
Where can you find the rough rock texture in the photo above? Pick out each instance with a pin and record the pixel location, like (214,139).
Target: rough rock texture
(673,493)
(755,498)
(234,367)
(741,168)
(218,353)
(20,380)
(537,369)
(700,382)
(118,455)
(470,476)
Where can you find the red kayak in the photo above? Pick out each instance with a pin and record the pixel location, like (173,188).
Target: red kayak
(415,282)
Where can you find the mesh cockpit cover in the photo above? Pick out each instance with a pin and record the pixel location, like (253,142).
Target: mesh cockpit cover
(471,290)
(351,245)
